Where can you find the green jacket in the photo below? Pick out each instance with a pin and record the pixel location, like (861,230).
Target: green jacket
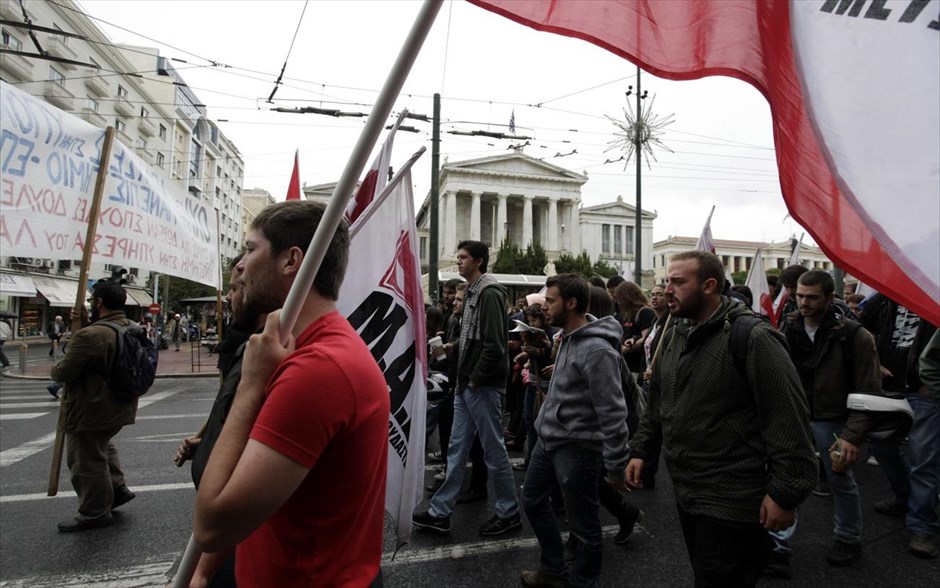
(484,360)
(729,440)
(89,404)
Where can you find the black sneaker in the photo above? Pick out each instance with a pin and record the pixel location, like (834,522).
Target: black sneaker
(498,525)
(542,579)
(822,488)
(632,516)
(892,508)
(843,554)
(778,565)
(425,521)
(122,495)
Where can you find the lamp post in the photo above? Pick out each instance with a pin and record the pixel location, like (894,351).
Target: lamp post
(638,132)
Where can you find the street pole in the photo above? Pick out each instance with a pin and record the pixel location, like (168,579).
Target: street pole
(435,198)
(638,139)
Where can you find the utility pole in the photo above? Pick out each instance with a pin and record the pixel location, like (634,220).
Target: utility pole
(435,197)
(638,137)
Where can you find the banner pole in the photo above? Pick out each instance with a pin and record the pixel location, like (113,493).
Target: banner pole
(337,206)
(218,291)
(103,165)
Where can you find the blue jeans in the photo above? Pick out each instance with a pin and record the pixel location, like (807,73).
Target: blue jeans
(848,507)
(576,470)
(528,408)
(477,412)
(917,485)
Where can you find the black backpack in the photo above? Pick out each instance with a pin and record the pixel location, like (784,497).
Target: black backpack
(135,362)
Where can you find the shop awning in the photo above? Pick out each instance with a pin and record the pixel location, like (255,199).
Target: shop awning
(57,291)
(138,297)
(16,285)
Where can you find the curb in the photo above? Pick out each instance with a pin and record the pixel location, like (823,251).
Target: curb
(158,377)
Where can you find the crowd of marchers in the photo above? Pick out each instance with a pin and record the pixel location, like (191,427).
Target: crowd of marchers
(595,381)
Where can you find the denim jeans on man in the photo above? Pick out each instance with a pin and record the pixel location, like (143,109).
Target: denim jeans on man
(477,411)
(848,507)
(576,470)
(916,485)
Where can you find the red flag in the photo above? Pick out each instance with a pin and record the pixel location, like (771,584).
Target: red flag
(376,178)
(831,136)
(293,189)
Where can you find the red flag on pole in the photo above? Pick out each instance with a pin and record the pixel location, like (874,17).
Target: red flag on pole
(840,180)
(293,189)
(376,178)
(757,282)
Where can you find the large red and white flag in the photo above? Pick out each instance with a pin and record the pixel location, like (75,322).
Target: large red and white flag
(853,90)
(376,178)
(293,189)
(383,300)
(757,282)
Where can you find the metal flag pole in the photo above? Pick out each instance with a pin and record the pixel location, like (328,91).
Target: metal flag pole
(335,209)
(103,165)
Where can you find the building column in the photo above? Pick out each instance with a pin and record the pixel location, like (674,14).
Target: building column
(526,221)
(574,228)
(475,216)
(501,219)
(553,225)
(449,242)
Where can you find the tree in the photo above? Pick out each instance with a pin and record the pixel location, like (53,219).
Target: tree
(604,269)
(739,277)
(511,260)
(507,259)
(580,265)
(534,260)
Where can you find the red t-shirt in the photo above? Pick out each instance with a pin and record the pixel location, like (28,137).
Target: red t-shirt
(327,408)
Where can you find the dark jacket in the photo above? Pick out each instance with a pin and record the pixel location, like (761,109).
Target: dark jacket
(484,361)
(585,403)
(89,404)
(729,440)
(218,414)
(841,360)
(879,317)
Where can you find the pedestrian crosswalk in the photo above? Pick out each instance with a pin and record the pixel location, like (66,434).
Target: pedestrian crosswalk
(25,399)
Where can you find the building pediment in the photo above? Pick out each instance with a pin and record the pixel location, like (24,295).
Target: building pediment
(517,165)
(616,208)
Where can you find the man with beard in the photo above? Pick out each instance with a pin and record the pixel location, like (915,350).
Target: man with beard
(582,433)
(297,478)
(736,440)
(217,570)
(93,414)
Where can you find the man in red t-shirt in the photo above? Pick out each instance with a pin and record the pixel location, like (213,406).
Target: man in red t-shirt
(297,477)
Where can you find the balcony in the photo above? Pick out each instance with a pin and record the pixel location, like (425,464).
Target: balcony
(97,84)
(11,10)
(58,94)
(93,117)
(18,67)
(124,138)
(57,47)
(145,154)
(124,106)
(146,127)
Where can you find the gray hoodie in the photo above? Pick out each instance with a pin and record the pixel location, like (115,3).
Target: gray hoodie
(585,403)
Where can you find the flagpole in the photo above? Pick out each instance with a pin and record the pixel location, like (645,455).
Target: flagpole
(337,206)
(103,164)
(357,161)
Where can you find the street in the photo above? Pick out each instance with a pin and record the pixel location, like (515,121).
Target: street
(143,546)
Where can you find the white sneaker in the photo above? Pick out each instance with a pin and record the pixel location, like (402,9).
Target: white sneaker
(871,460)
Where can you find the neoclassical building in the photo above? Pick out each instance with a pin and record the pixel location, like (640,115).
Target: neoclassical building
(525,200)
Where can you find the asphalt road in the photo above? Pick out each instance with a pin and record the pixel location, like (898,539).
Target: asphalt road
(143,546)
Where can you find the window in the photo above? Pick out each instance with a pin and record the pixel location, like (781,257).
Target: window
(618,239)
(630,240)
(11,41)
(423,250)
(160,159)
(605,238)
(162,132)
(119,125)
(122,92)
(662,260)
(144,113)
(141,143)
(92,104)
(56,76)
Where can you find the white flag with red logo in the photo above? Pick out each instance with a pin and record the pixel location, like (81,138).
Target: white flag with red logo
(376,178)
(757,282)
(853,91)
(383,300)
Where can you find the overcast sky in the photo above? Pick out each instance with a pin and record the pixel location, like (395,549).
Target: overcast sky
(484,66)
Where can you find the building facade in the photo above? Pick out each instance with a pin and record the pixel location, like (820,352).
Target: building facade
(253,202)
(154,113)
(737,256)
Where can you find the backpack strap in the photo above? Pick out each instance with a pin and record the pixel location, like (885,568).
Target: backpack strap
(118,332)
(741,328)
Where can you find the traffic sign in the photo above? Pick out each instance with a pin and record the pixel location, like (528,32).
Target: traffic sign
(154,308)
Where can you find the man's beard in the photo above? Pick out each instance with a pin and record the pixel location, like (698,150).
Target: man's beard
(691,307)
(253,307)
(93,314)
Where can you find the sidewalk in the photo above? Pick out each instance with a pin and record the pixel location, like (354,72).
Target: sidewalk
(191,360)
